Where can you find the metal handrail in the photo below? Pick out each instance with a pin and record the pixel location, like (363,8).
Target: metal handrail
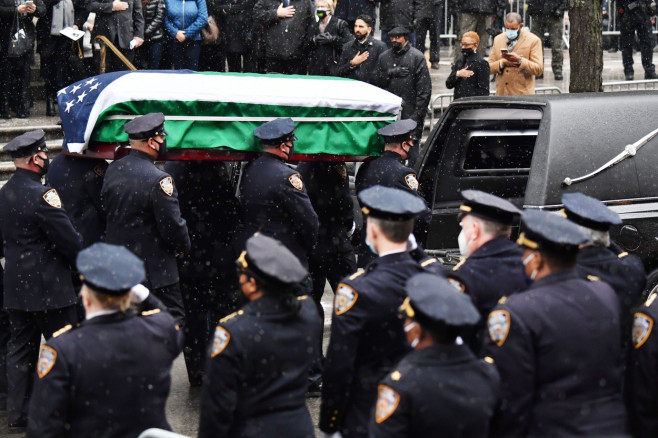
(107,43)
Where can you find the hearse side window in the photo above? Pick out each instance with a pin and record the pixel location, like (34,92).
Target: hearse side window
(489,151)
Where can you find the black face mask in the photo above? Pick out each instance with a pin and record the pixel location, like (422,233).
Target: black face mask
(321,13)
(163,147)
(397,47)
(44,168)
(467,52)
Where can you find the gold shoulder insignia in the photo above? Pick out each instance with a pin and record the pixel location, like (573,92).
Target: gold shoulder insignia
(488,359)
(651,299)
(63,330)
(46,362)
(593,278)
(220,340)
(621,255)
(502,300)
(499,323)
(52,198)
(296,181)
(345,298)
(395,376)
(458,285)
(411,181)
(357,273)
(428,262)
(642,326)
(150,312)
(387,402)
(303,297)
(459,265)
(232,315)
(167,185)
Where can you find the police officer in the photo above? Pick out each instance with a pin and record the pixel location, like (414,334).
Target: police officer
(366,335)
(273,196)
(389,171)
(635,17)
(141,203)
(110,376)
(556,345)
(257,374)
(207,272)
(619,270)
(641,378)
(440,386)
(492,267)
(40,245)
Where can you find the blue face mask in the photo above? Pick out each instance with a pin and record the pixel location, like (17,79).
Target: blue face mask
(370,246)
(512,34)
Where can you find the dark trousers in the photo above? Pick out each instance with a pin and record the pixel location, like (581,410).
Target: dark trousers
(4,341)
(172,299)
(238,62)
(186,54)
(206,301)
(55,54)
(148,55)
(19,91)
(631,22)
(297,66)
(433,26)
(212,58)
(26,329)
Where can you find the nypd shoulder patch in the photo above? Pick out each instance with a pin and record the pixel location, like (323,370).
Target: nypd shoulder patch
(220,340)
(296,181)
(52,198)
(387,402)
(46,362)
(499,324)
(642,326)
(167,185)
(411,181)
(345,298)
(457,284)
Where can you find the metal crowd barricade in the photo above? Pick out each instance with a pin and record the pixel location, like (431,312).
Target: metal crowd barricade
(159,433)
(444,100)
(647,84)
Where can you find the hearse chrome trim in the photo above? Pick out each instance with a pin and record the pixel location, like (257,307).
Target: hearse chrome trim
(629,151)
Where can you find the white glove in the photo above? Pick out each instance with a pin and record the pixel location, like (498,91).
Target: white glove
(411,243)
(349,233)
(331,435)
(139,293)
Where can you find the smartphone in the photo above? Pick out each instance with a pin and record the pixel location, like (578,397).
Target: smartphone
(503,51)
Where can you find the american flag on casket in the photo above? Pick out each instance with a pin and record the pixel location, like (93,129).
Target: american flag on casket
(220,110)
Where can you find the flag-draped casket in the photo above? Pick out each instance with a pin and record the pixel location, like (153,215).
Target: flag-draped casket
(217,112)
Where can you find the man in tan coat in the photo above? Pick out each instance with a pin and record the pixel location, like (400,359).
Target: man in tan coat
(516,57)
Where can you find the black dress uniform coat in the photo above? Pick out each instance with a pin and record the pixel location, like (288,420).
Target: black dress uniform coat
(641,378)
(110,377)
(367,339)
(494,270)
(256,377)
(78,182)
(40,245)
(437,391)
(141,204)
(275,202)
(366,70)
(626,277)
(557,350)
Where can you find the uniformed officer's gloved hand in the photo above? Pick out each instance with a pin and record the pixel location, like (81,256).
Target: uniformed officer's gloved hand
(399,72)
(139,294)
(324,38)
(331,435)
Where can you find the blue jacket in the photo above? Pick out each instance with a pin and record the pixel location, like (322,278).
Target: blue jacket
(188,15)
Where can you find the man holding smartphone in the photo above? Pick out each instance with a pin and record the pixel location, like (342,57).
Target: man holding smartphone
(516,57)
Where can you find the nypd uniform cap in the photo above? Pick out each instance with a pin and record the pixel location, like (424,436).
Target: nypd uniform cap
(277,130)
(397,131)
(549,232)
(390,204)
(270,261)
(589,212)
(432,300)
(398,31)
(488,207)
(110,269)
(146,126)
(27,144)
